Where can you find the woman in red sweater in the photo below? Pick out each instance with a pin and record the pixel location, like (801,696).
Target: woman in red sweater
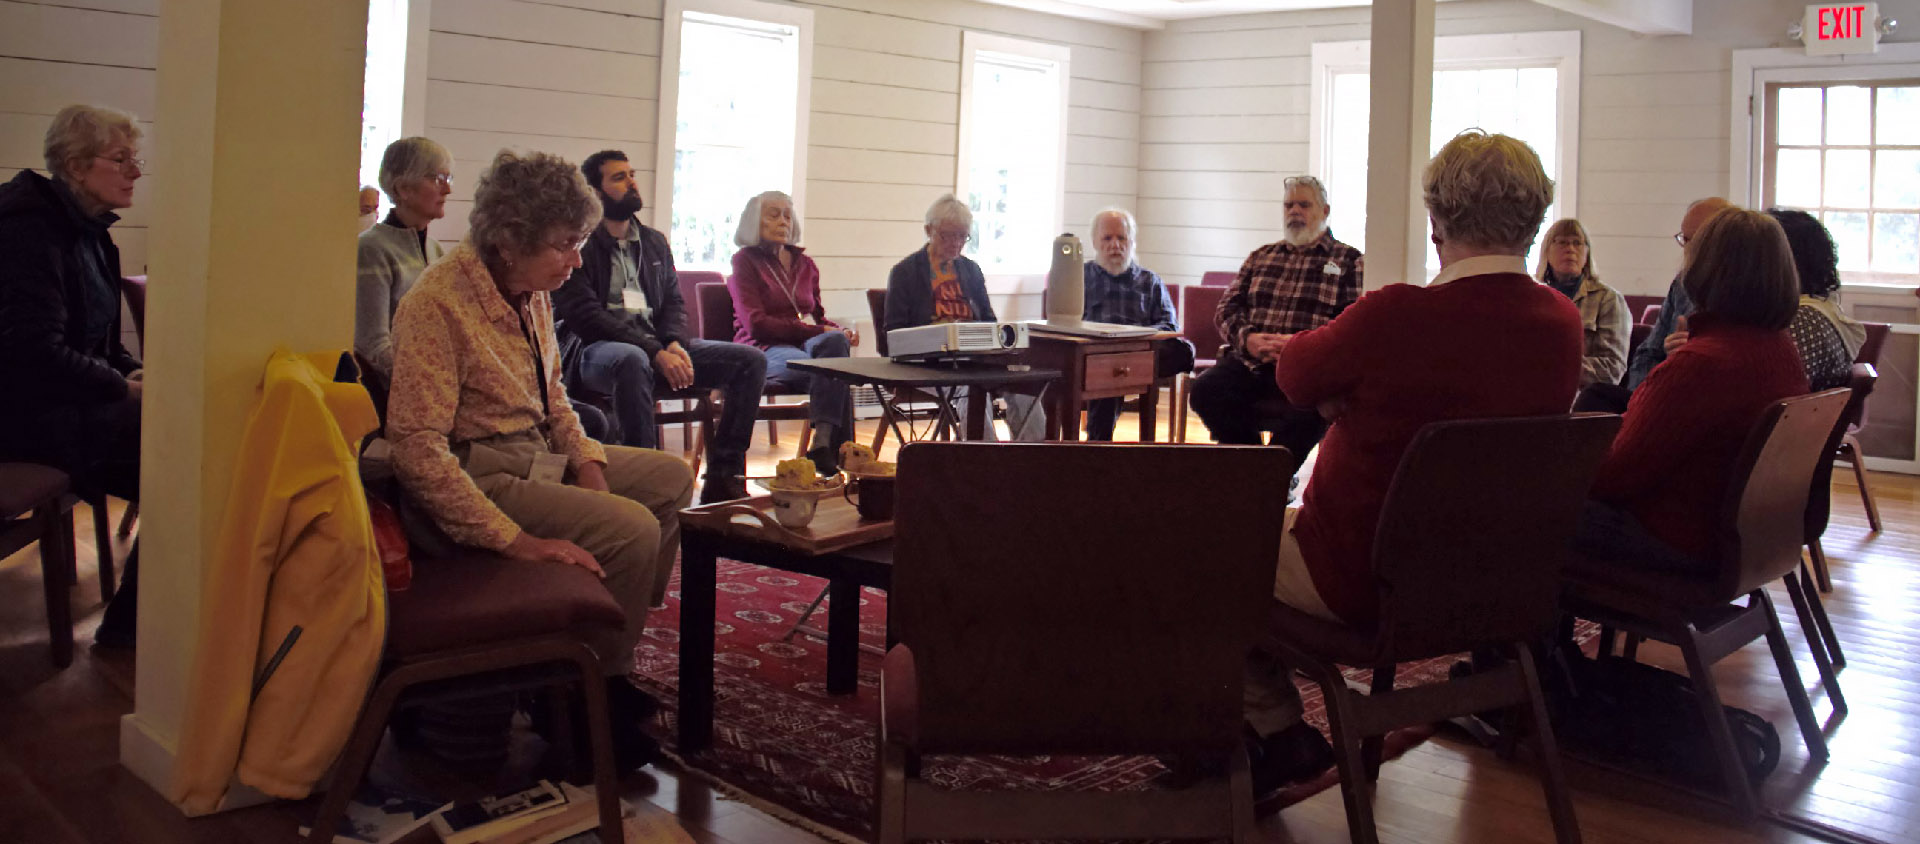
(777,308)
(1482,340)
(1658,496)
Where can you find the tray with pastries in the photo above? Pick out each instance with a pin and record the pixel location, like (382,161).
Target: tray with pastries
(802,511)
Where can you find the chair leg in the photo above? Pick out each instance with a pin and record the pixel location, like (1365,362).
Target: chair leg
(806,440)
(127,519)
(773,433)
(1827,638)
(1177,409)
(1553,780)
(351,768)
(1372,748)
(1851,448)
(1790,676)
(1819,557)
(56,577)
(1607,639)
(1240,797)
(1631,651)
(686,431)
(606,781)
(1732,773)
(886,421)
(1798,592)
(890,795)
(1355,789)
(102,532)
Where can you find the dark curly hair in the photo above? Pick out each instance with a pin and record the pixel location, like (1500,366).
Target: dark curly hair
(1814,256)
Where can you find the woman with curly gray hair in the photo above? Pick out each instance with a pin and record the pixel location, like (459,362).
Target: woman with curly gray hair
(1482,340)
(483,437)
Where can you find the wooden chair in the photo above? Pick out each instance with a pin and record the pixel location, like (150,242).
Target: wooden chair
(1034,618)
(1856,419)
(1468,554)
(1761,529)
(481,626)
(716,323)
(1820,499)
(1198,304)
(35,507)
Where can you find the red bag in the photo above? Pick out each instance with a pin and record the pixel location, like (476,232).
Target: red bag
(396,561)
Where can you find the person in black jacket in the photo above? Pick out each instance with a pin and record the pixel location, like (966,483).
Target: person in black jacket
(73,392)
(623,305)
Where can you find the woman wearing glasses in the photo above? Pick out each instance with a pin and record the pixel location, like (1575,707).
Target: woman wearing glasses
(1566,265)
(73,392)
(416,175)
(483,437)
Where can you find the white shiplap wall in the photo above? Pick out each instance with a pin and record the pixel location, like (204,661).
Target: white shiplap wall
(584,75)
(1225,105)
(54,53)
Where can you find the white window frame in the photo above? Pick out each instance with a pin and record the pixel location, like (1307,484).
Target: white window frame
(413,92)
(1556,49)
(971,43)
(668,123)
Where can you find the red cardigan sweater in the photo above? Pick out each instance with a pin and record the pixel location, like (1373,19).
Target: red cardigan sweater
(1481,346)
(764,314)
(1686,423)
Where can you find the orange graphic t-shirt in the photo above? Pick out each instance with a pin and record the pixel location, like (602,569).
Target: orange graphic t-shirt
(949,301)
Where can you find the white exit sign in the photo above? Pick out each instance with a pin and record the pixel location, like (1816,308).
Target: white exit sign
(1838,28)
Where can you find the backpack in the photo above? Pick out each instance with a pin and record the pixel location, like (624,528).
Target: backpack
(1625,714)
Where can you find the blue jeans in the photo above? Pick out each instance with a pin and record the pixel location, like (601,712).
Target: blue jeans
(626,372)
(827,399)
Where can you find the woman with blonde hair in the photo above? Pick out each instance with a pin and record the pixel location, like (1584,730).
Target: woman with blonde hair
(1566,265)
(1657,500)
(483,437)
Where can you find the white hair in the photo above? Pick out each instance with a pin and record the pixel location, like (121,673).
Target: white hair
(1122,213)
(748,233)
(1304,181)
(82,131)
(947,209)
(408,160)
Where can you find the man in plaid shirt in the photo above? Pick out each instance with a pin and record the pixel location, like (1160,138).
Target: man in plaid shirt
(1301,282)
(1122,292)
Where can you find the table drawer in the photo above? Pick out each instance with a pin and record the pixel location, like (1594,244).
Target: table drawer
(1119,370)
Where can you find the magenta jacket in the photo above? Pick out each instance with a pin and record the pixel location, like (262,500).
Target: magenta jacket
(768,301)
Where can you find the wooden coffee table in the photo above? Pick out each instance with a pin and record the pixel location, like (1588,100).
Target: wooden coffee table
(837,545)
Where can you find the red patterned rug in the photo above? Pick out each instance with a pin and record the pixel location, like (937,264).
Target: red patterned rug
(780,738)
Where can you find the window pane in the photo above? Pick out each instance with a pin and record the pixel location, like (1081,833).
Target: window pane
(1896,243)
(382,87)
(1796,181)
(1798,123)
(1847,115)
(1850,237)
(1899,116)
(1848,177)
(1013,167)
(1347,161)
(1896,179)
(734,125)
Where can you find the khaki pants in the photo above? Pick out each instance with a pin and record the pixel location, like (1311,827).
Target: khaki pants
(634,533)
(1270,700)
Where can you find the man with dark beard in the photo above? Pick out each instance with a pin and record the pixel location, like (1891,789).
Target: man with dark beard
(1301,282)
(624,305)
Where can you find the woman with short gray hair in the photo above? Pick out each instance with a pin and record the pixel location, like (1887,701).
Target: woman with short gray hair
(483,437)
(417,175)
(73,391)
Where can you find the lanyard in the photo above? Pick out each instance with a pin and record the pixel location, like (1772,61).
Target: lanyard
(539,365)
(787,287)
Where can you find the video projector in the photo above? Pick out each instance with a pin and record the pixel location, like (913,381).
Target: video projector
(955,339)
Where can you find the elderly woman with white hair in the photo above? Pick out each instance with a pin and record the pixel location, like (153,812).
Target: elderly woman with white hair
(73,392)
(1483,339)
(938,284)
(777,308)
(417,174)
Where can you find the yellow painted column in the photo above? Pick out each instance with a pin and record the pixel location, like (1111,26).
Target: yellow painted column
(257,132)
(1400,117)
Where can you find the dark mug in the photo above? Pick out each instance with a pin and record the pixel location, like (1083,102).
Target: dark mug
(872,495)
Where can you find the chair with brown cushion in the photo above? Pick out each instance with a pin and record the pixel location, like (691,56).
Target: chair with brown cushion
(1035,619)
(716,323)
(477,626)
(35,507)
(1467,554)
(1762,527)
(1856,419)
(1198,304)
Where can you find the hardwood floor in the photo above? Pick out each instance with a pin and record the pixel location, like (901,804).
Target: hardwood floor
(60,782)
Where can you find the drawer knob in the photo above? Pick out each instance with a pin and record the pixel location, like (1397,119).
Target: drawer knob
(1122,371)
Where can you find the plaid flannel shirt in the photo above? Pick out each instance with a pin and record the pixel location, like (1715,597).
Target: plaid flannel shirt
(1134,297)
(1286,289)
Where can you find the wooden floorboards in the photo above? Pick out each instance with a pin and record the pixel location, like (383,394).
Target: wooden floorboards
(60,782)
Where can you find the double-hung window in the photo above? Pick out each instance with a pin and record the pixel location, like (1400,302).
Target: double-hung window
(1013,150)
(1849,153)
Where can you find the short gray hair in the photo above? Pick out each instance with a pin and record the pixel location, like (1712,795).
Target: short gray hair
(748,234)
(1110,211)
(521,198)
(1488,190)
(82,131)
(410,159)
(947,209)
(1304,181)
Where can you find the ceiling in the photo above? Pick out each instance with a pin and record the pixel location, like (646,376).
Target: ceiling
(1653,17)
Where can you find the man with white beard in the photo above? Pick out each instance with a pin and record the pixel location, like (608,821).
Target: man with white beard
(1301,282)
(1122,292)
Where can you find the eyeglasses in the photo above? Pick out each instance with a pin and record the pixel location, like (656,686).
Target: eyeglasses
(1680,238)
(953,236)
(1569,242)
(125,163)
(444,180)
(570,245)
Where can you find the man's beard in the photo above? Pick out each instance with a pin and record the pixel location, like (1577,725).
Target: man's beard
(1305,234)
(1114,264)
(622,208)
